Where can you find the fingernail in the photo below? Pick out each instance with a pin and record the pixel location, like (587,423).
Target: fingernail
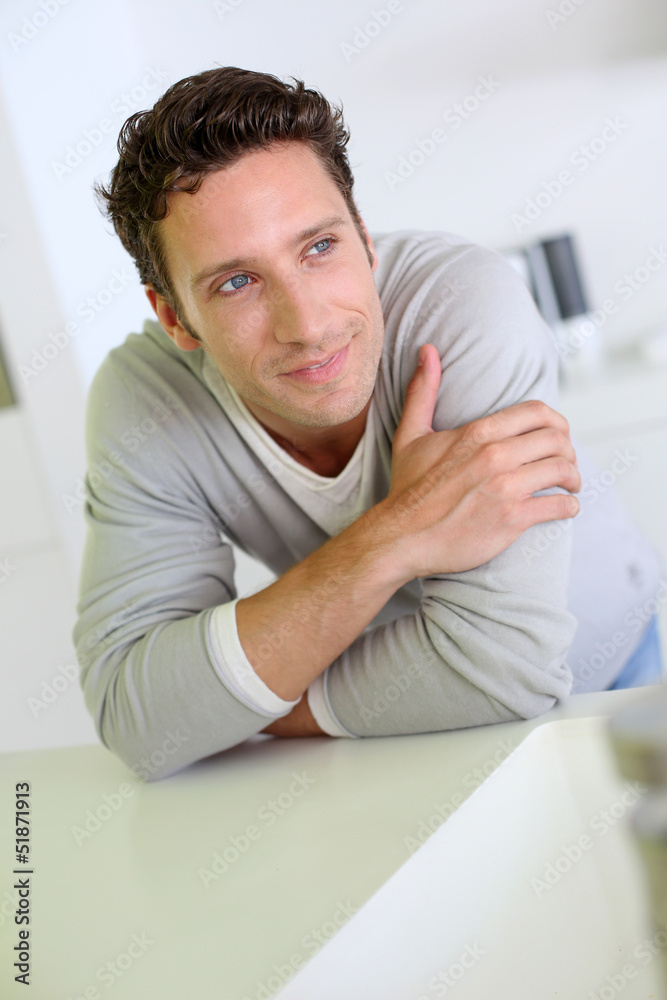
(420,359)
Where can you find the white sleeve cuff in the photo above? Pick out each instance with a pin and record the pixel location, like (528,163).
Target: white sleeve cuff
(318,702)
(235,669)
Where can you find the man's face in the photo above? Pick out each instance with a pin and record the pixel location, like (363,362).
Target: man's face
(273,277)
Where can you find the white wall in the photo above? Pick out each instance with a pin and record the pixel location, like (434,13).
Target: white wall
(71,72)
(555,85)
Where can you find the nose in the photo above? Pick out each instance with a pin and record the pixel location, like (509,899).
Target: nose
(299,314)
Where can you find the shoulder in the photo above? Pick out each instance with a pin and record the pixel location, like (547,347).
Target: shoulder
(147,400)
(410,258)
(144,363)
(144,372)
(463,286)
(440,288)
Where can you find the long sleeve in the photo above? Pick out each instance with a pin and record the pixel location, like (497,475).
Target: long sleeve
(171,482)
(490,644)
(155,569)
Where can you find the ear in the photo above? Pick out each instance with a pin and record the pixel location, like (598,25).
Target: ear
(169,321)
(369,243)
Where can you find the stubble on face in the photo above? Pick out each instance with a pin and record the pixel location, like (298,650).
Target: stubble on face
(259,377)
(327,405)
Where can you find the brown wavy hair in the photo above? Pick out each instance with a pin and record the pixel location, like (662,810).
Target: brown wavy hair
(201,124)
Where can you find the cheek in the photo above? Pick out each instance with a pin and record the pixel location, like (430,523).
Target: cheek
(246,337)
(237,336)
(233,358)
(244,360)
(251,324)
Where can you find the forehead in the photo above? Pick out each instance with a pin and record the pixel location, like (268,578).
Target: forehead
(264,192)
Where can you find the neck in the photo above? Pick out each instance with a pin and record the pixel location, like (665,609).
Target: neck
(325,450)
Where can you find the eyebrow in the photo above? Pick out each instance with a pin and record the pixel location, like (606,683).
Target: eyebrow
(333,222)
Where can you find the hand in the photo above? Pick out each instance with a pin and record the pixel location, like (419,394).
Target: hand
(460,497)
(299,722)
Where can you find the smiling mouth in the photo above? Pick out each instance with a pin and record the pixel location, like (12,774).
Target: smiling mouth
(313,367)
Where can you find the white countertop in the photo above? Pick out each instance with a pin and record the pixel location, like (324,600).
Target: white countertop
(310,829)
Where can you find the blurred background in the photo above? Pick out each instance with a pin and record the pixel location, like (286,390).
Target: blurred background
(508,123)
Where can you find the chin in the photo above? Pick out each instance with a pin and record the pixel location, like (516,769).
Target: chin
(333,414)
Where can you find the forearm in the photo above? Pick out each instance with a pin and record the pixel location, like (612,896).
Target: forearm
(293,629)
(159,703)
(457,499)
(487,646)
(299,722)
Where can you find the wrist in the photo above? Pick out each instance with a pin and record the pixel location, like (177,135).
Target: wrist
(388,546)
(299,722)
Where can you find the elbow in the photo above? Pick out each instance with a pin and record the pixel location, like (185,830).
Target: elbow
(159,749)
(149,718)
(544,688)
(148,758)
(149,754)
(126,726)
(536,706)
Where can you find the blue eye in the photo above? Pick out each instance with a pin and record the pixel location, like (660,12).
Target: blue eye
(320,243)
(238,281)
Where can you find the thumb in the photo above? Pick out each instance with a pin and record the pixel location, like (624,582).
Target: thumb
(420,396)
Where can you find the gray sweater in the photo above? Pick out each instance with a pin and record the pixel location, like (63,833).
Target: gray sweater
(171,482)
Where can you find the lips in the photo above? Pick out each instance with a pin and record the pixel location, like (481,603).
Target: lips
(325,370)
(316,363)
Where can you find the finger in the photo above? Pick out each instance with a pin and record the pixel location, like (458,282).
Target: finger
(420,397)
(520,418)
(557,507)
(546,474)
(529,447)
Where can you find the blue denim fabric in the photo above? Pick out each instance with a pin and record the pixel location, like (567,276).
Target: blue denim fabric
(645,665)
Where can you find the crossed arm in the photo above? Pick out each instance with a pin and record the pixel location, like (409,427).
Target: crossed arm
(457,499)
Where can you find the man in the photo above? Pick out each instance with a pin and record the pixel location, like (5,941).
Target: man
(367,417)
